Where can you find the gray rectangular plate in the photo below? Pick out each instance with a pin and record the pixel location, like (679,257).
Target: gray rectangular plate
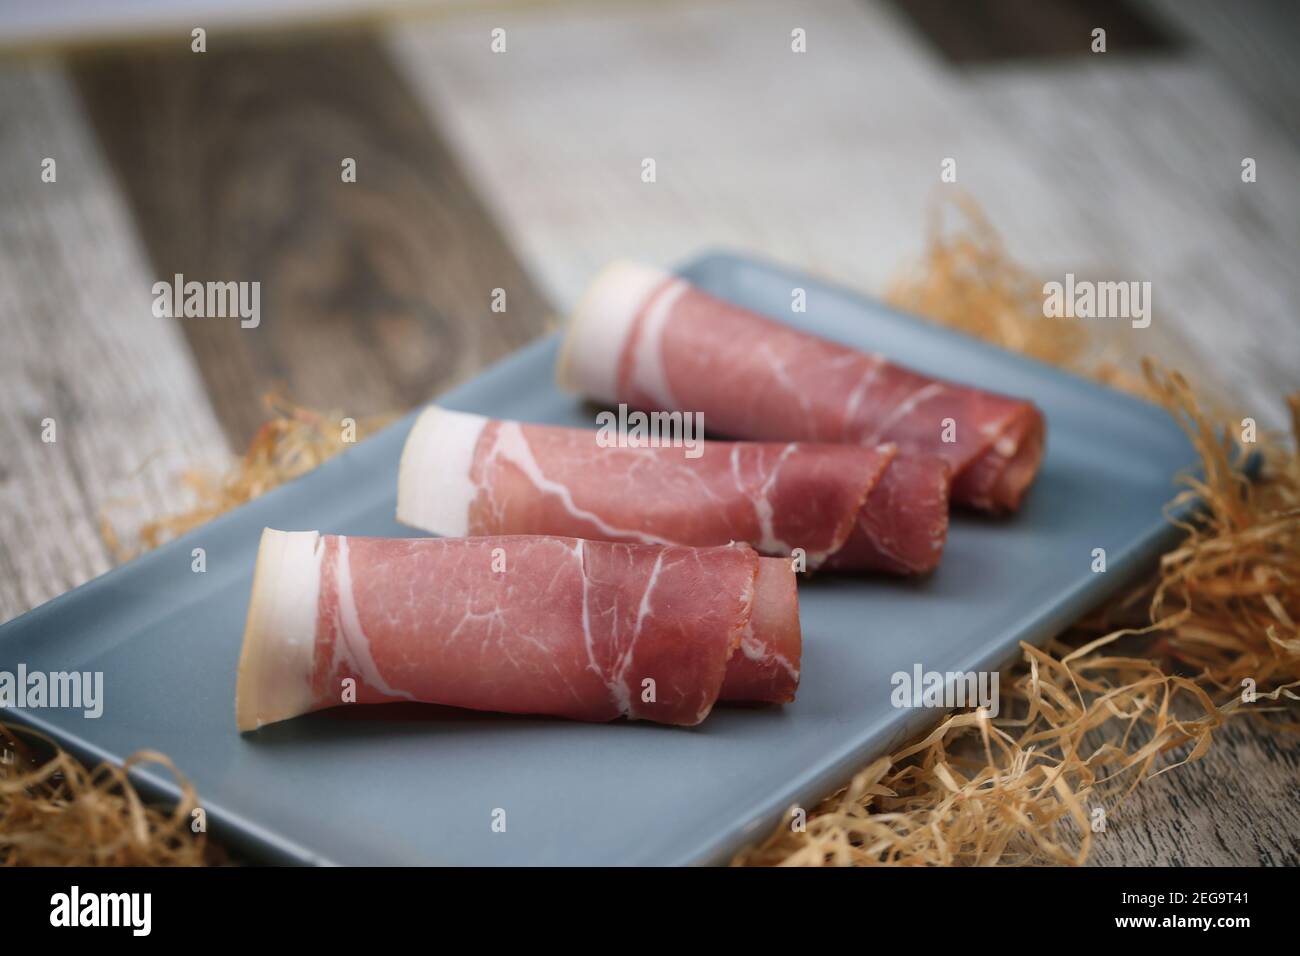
(412,791)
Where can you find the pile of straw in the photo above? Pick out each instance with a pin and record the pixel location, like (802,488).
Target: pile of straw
(54,812)
(1135,691)
(292,442)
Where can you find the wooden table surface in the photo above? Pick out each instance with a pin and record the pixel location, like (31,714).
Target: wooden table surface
(521,171)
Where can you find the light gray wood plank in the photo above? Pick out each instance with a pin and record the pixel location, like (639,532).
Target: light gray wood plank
(81,347)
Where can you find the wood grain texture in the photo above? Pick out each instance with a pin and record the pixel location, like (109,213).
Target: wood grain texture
(1237,806)
(79,345)
(375,295)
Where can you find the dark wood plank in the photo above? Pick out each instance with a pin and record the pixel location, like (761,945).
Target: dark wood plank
(376,294)
(1239,805)
(988,31)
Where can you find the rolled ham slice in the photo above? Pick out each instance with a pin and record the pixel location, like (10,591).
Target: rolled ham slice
(588,630)
(843,506)
(646,338)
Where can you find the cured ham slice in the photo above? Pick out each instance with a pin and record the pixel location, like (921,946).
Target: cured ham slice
(844,506)
(588,630)
(765,665)
(904,524)
(646,338)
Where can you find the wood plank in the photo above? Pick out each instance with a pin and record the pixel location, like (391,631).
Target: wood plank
(1235,807)
(80,346)
(375,295)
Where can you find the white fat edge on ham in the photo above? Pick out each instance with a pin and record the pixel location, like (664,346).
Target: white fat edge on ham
(649,375)
(599,327)
(352,646)
(434,488)
(275,664)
